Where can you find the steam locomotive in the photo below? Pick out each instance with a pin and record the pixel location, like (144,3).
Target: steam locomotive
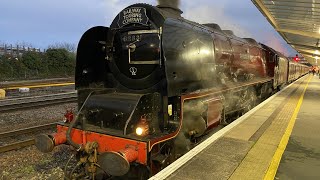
(151,85)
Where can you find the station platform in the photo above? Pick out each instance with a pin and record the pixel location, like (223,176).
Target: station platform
(278,139)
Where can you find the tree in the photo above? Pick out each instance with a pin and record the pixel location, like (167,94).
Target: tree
(55,62)
(11,68)
(60,61)
(71,47)
(34,61)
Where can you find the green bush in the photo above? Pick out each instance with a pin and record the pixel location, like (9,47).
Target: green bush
(60,62)
(35,65)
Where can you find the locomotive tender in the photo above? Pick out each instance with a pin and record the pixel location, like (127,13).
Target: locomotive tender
(154,83)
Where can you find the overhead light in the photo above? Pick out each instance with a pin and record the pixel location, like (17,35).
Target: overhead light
(316,52)
(316,57)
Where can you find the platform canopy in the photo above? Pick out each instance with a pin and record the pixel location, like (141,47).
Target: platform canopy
(298,22)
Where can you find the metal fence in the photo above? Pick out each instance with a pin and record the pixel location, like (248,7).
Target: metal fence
(16,51)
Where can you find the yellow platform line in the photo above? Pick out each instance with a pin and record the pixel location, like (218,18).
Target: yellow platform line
(274,164)
(39,86)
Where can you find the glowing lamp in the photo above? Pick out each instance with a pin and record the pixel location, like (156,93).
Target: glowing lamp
(142,128)
(139,131)
(296,59)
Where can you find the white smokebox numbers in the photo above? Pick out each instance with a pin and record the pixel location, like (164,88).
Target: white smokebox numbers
(133,15)
(133,71)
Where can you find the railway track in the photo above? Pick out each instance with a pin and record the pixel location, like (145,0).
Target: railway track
(36,101)
(9,85)
(24,143)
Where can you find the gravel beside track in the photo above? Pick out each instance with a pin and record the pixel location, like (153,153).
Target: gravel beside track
(29,163)
(32,117)
(36,101)
(17,139)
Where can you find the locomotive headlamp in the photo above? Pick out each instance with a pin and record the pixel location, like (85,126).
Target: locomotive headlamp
(139,131)
(142,128)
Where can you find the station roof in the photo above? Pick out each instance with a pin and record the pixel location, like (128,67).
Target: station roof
(298,22)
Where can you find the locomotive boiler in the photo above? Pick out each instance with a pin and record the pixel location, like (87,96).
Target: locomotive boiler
(152,84)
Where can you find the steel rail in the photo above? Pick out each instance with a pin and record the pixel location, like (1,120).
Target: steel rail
(26,98)
(32,103)
(25,143)
(17,145)
(27,130)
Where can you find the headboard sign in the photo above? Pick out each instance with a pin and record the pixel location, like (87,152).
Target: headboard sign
(133,15)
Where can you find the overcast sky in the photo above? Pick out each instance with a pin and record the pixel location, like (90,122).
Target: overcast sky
(46,22)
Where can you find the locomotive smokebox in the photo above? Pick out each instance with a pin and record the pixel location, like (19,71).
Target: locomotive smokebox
(117,163)
(170,6)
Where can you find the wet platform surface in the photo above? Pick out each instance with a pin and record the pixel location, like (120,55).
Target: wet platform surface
(252,146)
(301,159)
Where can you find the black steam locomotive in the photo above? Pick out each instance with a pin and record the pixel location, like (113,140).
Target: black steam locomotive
(154,83)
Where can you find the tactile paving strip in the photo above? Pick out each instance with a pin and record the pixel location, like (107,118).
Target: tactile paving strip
(257,161)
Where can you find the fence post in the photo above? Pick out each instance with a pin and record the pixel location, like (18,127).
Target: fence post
(17,50)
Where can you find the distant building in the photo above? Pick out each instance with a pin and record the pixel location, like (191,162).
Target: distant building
(15,51)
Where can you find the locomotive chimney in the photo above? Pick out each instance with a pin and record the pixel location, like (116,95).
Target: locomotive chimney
(170,7)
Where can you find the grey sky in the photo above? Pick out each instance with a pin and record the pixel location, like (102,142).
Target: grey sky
(45,22)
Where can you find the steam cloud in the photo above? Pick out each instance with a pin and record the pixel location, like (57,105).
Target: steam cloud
(211,12)
(204,13)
